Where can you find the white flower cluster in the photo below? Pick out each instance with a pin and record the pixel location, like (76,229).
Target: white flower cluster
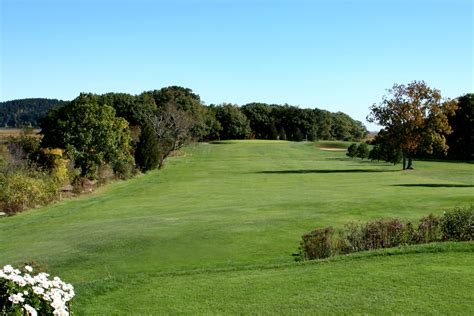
(56,292)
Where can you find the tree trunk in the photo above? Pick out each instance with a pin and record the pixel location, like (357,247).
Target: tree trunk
(410,156)
(404,160)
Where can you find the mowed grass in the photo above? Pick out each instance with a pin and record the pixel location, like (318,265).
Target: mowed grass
(213,232)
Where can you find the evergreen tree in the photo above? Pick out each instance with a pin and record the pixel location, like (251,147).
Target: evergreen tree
(362,151)
(147,154)
(352,150)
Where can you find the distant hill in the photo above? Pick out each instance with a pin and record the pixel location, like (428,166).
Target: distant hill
(26,112)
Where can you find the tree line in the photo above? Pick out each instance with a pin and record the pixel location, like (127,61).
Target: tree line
(115,135)
(127,131)
(26,112)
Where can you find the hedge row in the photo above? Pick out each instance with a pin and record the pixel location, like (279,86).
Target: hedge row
(454,225)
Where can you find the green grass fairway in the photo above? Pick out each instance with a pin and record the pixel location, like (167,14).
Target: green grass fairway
(213,232)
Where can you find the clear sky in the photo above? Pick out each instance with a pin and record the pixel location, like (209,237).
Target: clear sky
(338,55)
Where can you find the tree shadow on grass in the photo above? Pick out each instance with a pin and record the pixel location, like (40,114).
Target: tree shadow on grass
(302,171)
(339,158)
(434,185)
(220,142)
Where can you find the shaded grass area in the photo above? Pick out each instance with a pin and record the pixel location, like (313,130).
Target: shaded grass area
(435,185)
(333,144)
(226,208)
(324,171)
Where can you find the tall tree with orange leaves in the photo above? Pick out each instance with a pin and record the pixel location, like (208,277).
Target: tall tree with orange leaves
(415,119)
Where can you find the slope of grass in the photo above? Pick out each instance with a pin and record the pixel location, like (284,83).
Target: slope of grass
(421,279)
(226,206)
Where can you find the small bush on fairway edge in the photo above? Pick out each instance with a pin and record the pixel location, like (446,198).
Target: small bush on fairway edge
(454,225)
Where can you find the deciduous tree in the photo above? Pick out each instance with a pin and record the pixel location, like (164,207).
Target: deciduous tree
(91,134)
(461,141)
(362,151)
(172,128)
(415,118)
(235,124)
(352,150)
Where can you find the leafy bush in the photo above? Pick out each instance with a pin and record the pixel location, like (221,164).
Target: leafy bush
(317,244)
(382,233)
(429,229)
(455,225)
(23,189)
(383,150)
(105,174)
(362,151)
(385,233)
(23,147)
(147,152)
(22,293)
(54,160)
(458,224)
(352,150)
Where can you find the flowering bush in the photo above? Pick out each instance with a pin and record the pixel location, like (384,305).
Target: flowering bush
(27,294)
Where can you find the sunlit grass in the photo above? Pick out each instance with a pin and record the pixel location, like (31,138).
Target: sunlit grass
(230,205)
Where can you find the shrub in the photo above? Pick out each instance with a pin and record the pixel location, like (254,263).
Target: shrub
(25,189)
(455,225)
(458,224)
(147,152)
(22,293)
(362,151)
(317,244)
(23,147)
(353,235)
(105,174)
(352,150)
(386,233)
(429,229)
(124,167)
(54,160)
(342,244)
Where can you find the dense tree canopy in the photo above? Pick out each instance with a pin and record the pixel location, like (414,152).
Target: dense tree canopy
(26,112)
(130,107)
(91,134)
(183,100)
(109,129)
(415,119)
(235,124)
(461,141)
(172,127)
(261,120)
(286,122)
(116,134)
(147,152)
(383,149)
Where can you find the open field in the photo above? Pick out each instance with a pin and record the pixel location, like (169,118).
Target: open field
(5,133)
(213,232)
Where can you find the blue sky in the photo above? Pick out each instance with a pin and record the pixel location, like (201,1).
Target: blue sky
(338,55)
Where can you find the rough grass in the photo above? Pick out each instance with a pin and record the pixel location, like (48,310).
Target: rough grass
(213,232)
(16,132)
